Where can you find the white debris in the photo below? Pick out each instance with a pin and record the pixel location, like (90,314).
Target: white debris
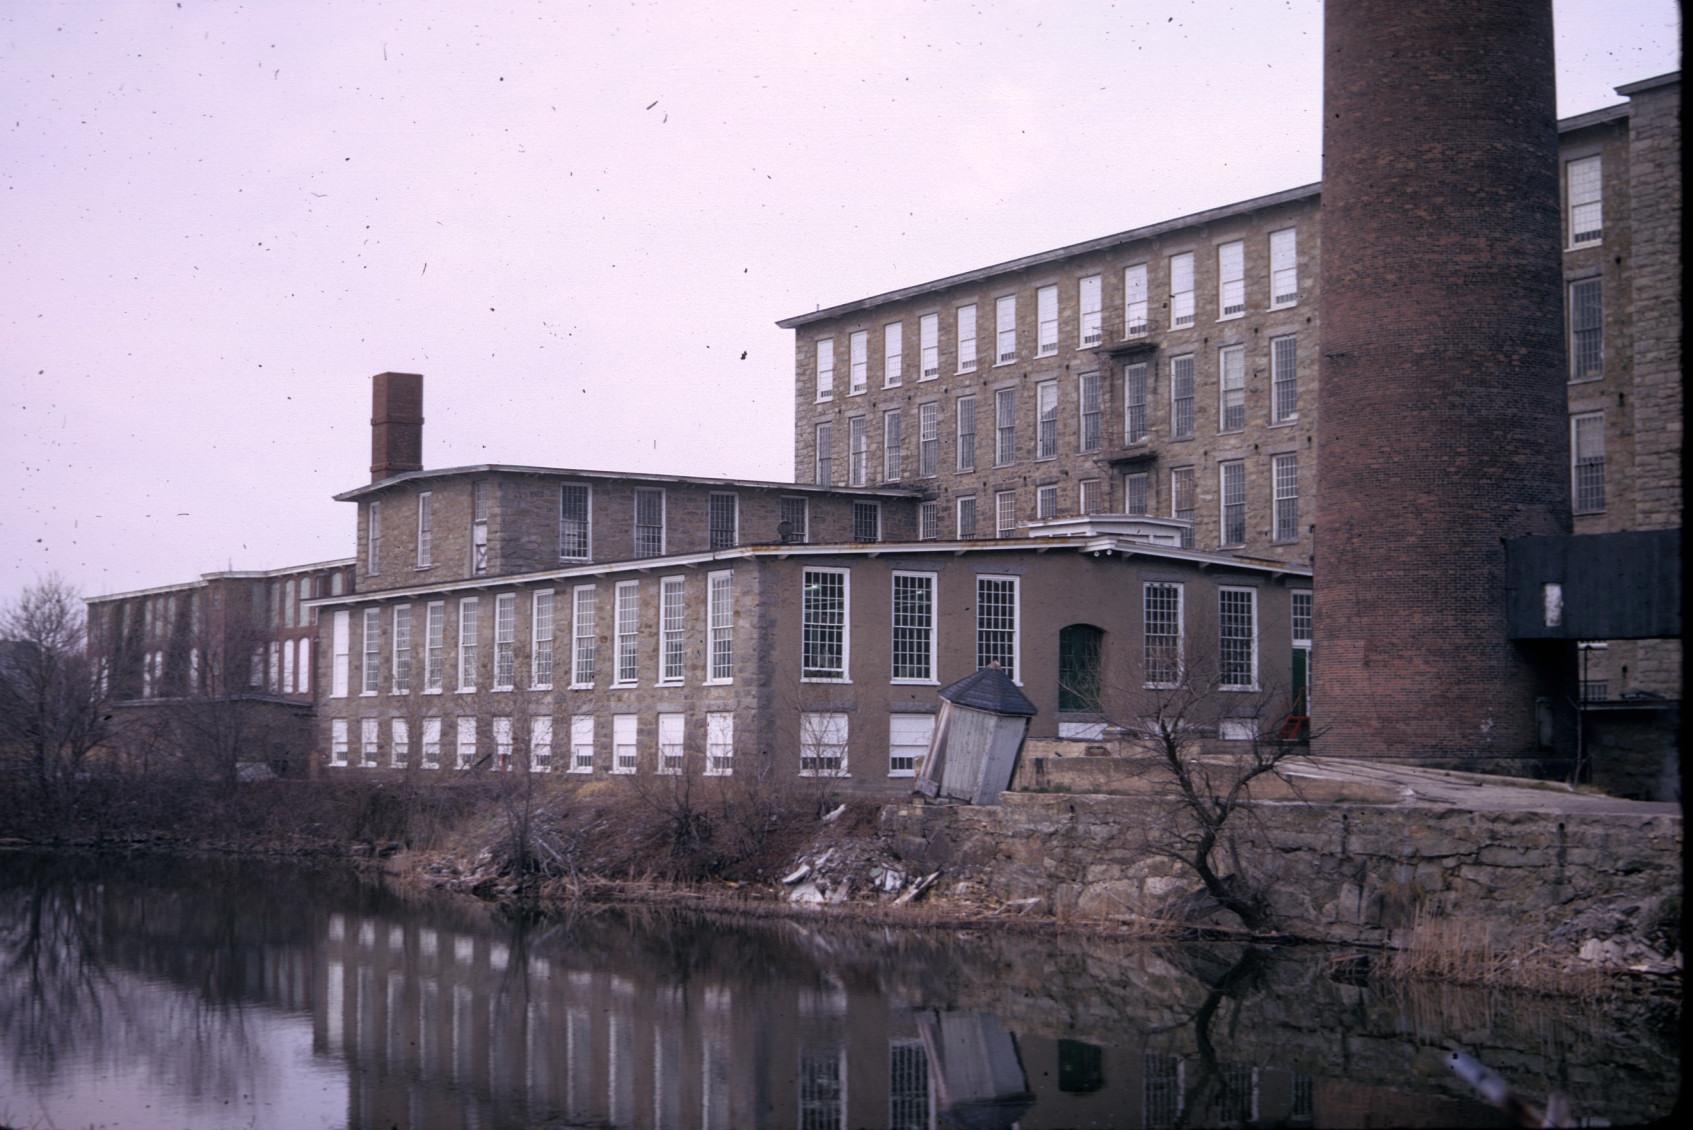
(796,875)
(835,815)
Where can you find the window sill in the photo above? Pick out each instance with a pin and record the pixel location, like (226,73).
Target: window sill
(502,690)
(1287,423)
(1004,364)
(616,772)
(837,774)
(1587,380)
(857,392)
(825,679)
(1600,242)
(1086,346)
(914,682)
(362,694)
(580,687)
(719,773)
(623,686)
(423,568)
(426,690)
(1045,353)
(963,372)
(729,682)
(894,384)
(540,686)
(581,770)
(465,690)
(671,683)
(1137,336)
(1231,317)
(1273,307)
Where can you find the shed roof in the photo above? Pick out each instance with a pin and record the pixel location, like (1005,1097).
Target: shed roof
(991,689)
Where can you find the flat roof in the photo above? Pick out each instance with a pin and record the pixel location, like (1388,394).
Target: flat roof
(224,575)
(637,476)
(1669,78)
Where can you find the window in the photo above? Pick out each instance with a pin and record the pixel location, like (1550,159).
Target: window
(1005,426)
(1587,331)
(1046,420)
(503,745)
(720,627)
(1182,501)
(1092,326)
(858,359)
(1181,290)
(866,521)
(541,640)
(670,633)
(287,666)
(893,335)
(273,678)
(505,641)
(1163,633)
(996,624)
(1231,487)
(1237,639)
(478,528)
(466,756)
(929,341)
(858,452)
(624,753)
(582,744)
(340,633)
(914,627)
(626,619)
(1587,224)
(467,643)
(1231,388)
(541,743)
(670,747)
(1284,472)
(966,458)
(794,513)
(649,522)
(1090,497)
(1299,612)
(967,338)
(909,736)
(823,745)
(825,473)
(337,741)
(1284,380)
(435,646)
(967,516)
(1231,279)
(1587,455)
(425,536)
(724,519)
(371,673)
(1181,397)
(892,446)
(1087,396)
(1284,268)
(1079,651)
(719,744)
(1046,501)
(1046,321)
(402,650)
(1005,322)
(928,439)
(1134,402)
(573,521)
(824,625)
(431,752)
(1134,300)
(1137,494)
(825,368)
(928,521)
(584,635)
(1301,617)
(373,548)
(1005,513)
(399,743)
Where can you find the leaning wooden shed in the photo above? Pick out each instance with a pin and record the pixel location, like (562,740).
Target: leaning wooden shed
(980,731)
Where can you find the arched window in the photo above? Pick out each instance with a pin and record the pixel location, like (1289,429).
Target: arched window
(1079,649)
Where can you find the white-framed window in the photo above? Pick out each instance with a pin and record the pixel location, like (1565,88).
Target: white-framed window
(1089,407)
(824,474)
(825,368)
(402,650)
(1300,616)
(626,619)
(1284,472)
(720,627)
(399,743)
(1237,639)
(649,522)
(341,630)
(929,345)
(1231,279)
(430,754)
(1231,489)
(541,640)
(1046,420)
(1134,300)
(625,754)
(337,741)
(575,521)
(1181,290)
(866,521)
(1284,268)
(928,520)
(719,743)
(1005,326)
(1587,462)
(967,338)
(1181,397)
(425,530)
(670,744)
(273,679)
(1182,501)
(1090,498)
(584,636)
(965,460)
(1046,501)
(1089,301)
(1162,632)
(928,439)
(466,749)
(671,638)
(503,745)
(1134,402)
(858,359)
(582,743)
(1587,330)
(909,736)
(1284,379)
(370,675)
(1005,513)
(893,446)
(1137,494)
(505,641)
(893,359)
(1046,321)
(966,516)
(914,627)
(478,528)
(1231,388)
(996,624)
(373,546)
(723,519)
(541,743)
(468,617)
(824,644)
(795,511)
(822,745)
(858,451)
(1586,197)
(287,666)
(435,646)
(1005,426)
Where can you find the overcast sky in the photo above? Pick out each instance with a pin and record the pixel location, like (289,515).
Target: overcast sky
(578,221)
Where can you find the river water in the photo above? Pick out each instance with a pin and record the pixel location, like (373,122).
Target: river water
(162,992)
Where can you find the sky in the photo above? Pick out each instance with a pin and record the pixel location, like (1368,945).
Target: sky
(580,221)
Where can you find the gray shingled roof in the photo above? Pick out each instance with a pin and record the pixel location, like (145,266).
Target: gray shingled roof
(990,689)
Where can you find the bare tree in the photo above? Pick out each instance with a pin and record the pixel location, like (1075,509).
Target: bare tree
(52,711)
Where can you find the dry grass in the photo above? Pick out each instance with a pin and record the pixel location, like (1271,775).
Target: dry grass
(1461,950)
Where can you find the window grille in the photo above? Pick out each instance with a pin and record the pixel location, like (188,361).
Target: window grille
(1587,454)
(1284,268)
(670,745)
(541,743)
(1163,634)
(1182,501)
(1005,426)
(1231,279)
(1232,487)
(627,621)
(1087,387)
(1284,379)
(1181,290)
(866,521)
(573,522)
(928,521)
(928,333)
(505,640)
(724,520)
(825,474)
(372,681)
(1005,513)
(435,659)
(1135,494)
(909,736)
(1046,429)
(913,627)
(541,635)
(1134,300)
(625,755)
(823,749)
(893,359)
(966,456)
(649,522)
(1088,499)
(719,744)
(503,746)
(858,452)
(823,624)
(893,463)
(967,517)
(1231,382)
(1587,333)
(928,440)
(1134,402)
(996,623)
(825,369)
(467,643)
(720,618)
(795,512)
(584,637)
(1005,318)
(1046,316)
(1088,294)
(1586,201)
(1285,473)
(1046,501)
(967,338)
(582,744)
(1181,397)
(1237,638)
(425,537)
(858,353)
(670,630)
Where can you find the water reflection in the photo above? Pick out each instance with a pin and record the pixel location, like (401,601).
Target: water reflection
(207,993)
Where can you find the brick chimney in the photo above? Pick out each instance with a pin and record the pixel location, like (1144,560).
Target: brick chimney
(396,424)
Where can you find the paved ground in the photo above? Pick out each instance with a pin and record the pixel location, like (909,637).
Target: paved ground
(1408,784)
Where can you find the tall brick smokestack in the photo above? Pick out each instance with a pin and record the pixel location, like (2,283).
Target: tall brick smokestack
(1441,396)
(396,424)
